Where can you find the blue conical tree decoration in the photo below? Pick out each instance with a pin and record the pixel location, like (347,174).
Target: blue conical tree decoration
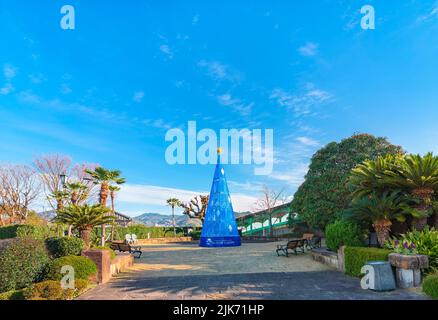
(219,229)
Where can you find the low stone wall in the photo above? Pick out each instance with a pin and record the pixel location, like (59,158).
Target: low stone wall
(121,263)
(105,267)
(163,240)
(327,257)
(102,260)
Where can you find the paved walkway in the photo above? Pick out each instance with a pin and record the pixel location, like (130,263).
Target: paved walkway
(252,271)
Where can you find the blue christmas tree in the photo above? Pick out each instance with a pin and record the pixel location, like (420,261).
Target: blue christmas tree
(219,229)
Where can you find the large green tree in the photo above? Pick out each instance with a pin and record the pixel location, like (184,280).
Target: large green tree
(325,194)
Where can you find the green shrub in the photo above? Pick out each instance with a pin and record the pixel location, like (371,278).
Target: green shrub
(142,231)
(83,267)
(430,286)
(24,230)
(22,263)
(52,290)
(112,252)
(64,246)
(357,257)
(196,234)
(342,233)
(426,242)
(12,295)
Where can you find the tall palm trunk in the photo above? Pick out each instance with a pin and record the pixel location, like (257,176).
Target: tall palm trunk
(103,196)
(59,207)
(74,197)
(419,223)
(113,212)
(425,196)
(74,201)
(382,228)
(85,235)
(173,220)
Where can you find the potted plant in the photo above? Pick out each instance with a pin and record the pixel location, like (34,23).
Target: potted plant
(408,262)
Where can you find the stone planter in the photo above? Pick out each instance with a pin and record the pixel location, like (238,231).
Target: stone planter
(408,268)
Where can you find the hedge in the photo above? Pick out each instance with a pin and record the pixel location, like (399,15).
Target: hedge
(430,286)
(24,230)
(196,234)
(357,257)
(64,246)
(52,290)
(83,267)
(342,233)
(142,231)
(21,263)
(12,295)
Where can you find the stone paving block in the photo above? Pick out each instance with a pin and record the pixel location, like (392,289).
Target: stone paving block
(209,273)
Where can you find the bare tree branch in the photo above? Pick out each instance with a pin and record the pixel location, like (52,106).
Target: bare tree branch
(19,188)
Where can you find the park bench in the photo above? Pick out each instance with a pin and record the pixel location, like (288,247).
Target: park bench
(308,236)
(293,245)
(126,247)
(315,242)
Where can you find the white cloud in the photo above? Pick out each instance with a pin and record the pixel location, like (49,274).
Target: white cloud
(433,13)
(150,195)
(65,88)
(243,108)
(9,71)
(293,177)
(301,104)
(157,123)
(37,78)
(28,97)
(214,68)
(6,89)
(309,49)
(138,96)
(164,48)
(195,20)
(307,141)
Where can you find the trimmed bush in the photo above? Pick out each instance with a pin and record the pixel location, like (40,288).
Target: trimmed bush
(24,230)
(426,242)
(142,231)
(342,233)
(357,257)
(51,290)
(12,295)
(196,234)
(64,246)
(83,267)
(430,286)
(21,263)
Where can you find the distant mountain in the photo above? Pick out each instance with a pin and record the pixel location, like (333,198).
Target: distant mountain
(47,215)
(164,220)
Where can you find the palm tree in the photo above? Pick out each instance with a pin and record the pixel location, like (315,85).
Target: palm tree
(379,210)
(371,176)
(419,176)
(84,218)
(113,190)
(75,188)
(61,197)
(105,177)
(173,202)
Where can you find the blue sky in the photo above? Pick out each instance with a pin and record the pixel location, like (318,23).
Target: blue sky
(108,91)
